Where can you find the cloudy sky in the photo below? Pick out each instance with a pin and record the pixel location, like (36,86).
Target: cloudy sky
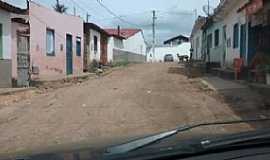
(174,17)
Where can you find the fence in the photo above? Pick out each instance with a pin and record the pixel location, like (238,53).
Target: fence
(126,56)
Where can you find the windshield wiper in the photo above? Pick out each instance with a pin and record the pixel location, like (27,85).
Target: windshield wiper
(142,142)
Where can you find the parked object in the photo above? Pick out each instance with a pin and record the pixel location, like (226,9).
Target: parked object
(183,58)
(160,52)
(238,67)
(168,58)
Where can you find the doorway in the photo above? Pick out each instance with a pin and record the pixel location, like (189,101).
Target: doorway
(69,55)
(103,56)
(243,41)
(23,60)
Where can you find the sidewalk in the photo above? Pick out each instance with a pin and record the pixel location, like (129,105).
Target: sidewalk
(219,84)
(242,99)
(6,91)
(64,77)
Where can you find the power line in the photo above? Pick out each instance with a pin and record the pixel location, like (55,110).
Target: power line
(115,15)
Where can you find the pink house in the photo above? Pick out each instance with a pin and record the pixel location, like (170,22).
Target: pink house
(56,43)
(40,43)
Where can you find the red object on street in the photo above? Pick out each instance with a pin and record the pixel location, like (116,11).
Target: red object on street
(238,65)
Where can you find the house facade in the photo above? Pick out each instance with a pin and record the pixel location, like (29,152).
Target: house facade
(126,44)
(224,35)
(234,31)
(56,43)
(196,39)
(13,29)
(95,45)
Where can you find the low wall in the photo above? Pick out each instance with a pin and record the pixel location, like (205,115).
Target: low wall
(5,74)
(126,56)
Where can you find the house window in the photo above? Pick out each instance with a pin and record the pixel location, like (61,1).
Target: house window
(95,44)
(78,46)
(216,37)
(236,35)
(210,40)
(50,42)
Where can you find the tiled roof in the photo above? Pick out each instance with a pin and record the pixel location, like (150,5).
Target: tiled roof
(10,8)
(126,33)
(95,27)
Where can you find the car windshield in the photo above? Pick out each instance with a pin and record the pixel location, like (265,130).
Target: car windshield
(80,74)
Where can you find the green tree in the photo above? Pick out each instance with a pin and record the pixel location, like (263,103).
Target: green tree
(60,7)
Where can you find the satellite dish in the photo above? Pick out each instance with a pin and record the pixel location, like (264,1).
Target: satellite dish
(208,10)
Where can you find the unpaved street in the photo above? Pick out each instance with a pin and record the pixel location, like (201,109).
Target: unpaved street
(129,102)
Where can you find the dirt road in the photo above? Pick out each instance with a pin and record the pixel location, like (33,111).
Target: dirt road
(133,101)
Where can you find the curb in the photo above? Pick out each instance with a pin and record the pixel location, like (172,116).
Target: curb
(211,87)
(15,90)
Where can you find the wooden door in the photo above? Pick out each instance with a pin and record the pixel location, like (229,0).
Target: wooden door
(103,55)
(23,60)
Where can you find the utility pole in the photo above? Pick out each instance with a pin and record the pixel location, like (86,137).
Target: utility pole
(87,17)
(74,11)
(154,34)
(208,7)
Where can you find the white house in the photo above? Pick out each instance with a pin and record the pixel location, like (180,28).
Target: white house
(114,43)
(196,38)
(12,23)
(161,51)
(128,42)
(234,32)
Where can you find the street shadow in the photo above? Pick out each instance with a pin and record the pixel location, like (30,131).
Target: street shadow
(248,104)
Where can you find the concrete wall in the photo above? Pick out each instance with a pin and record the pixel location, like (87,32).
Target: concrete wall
(126,56)
(5,20)
(113,43)
(136,44)
(160,52)
(42,18)
(94,55)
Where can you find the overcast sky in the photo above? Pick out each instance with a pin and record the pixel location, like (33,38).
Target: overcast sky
(174,17)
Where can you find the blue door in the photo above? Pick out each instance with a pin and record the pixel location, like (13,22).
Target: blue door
(69,55)
(243,41)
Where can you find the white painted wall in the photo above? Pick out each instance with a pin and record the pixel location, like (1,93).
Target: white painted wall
(5,20)
(113,43)
(230,20)
(136,44)
(94,55)
(160,52)
(196,43)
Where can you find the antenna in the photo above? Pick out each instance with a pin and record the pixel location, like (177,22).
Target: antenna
(208,10)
